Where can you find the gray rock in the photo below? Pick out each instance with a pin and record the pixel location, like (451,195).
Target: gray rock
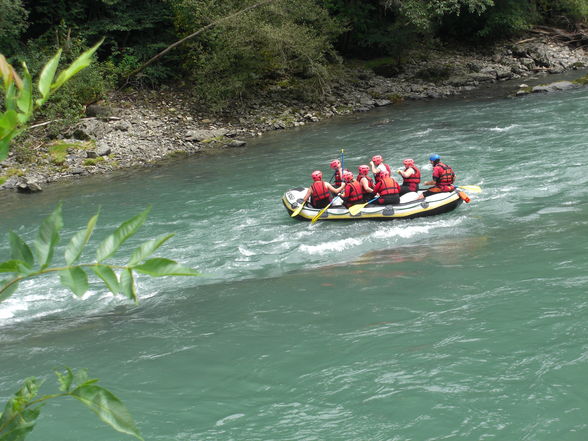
(103,149)
(28,185)
(382,103)
(99,111)
(237,143)
(558,85)
(199,135)
(122,126)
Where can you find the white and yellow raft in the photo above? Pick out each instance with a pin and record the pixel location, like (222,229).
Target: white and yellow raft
(409,207)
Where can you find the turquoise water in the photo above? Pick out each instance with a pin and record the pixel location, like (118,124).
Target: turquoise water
(466,326)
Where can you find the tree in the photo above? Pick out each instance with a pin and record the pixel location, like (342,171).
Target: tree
(12,24)
(282,41)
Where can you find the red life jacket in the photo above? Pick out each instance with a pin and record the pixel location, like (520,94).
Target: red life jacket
(386,186)
(412,182)
(370,183)
(446,178)
(353,193)
(319,192)
(338,178)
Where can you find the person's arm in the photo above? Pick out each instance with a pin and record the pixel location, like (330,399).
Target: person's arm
(406,173)
(333,189)
(374,169)
(306,196)
(365,185)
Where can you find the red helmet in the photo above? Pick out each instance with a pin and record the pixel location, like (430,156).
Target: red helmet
(335,163)
(384,173)
(363,169)
(347,176)
(377,159)
(408,162)
(317,175)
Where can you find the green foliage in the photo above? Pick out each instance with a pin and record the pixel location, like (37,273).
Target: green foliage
(12,24)
(22,410)
(277,41)
(27,262)
(19,97)
(133,30)
(562,12)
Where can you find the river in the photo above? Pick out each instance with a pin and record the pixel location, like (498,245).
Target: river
(466,326)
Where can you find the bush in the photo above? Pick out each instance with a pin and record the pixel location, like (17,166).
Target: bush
(277,42)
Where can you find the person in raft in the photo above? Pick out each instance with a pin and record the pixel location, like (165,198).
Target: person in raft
(411,176)
(366,182)
(388,189)
(320,191)
(353,191)
(377,163)
(336,165)
(443,177)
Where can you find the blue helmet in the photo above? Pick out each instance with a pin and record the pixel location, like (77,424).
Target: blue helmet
(434,157)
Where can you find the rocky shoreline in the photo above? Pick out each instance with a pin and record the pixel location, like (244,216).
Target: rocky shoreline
(143,128)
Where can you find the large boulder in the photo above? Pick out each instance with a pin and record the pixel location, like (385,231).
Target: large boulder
(552,87)
(199,135)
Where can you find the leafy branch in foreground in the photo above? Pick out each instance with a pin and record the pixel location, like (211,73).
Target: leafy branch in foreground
(19,102)
(22,410)
(27,262)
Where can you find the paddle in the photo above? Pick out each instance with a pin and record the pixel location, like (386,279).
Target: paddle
(472,188)
(314,219)
(298,210)
(358,207)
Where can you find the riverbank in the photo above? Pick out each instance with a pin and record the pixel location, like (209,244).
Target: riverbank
(140,128)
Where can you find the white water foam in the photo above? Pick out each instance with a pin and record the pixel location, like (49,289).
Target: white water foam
(504,129)
(325,247)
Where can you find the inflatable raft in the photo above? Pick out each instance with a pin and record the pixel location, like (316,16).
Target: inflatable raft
(409,207)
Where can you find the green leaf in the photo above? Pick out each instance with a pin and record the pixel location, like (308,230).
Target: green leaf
(65,379)
(10,97)
(127,284)
(5,290)
(8,123)
(147,248)
(108,408)
(20,250)
(113,242)
(11,266)
(4,144)
(78,64)
(18,419)
(75,279)
(48,237)
(21,425)
(164,267)
(78,241)
(46,77)
(25,97)
(108,277)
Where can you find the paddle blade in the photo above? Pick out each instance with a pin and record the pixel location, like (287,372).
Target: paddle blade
(356,209)
(298,210)
(472,188)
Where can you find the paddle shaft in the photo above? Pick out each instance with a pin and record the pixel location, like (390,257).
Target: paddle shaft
(314,219)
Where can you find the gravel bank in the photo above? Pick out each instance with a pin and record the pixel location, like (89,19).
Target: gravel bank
(143,128)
